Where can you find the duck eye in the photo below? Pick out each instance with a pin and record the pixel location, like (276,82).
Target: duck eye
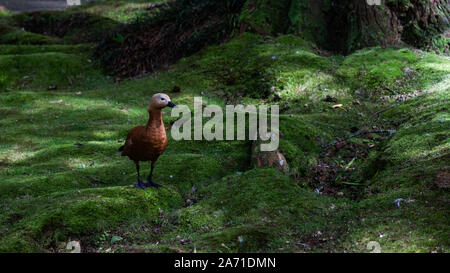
(163,99)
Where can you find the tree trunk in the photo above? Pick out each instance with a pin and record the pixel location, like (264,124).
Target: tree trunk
(347,25)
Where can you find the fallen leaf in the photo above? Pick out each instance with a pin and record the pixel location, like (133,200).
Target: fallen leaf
(116,239)
(337,106)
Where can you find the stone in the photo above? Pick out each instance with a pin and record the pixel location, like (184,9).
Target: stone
(275,159)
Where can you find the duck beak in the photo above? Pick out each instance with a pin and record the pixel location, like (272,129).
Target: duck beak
(171,105)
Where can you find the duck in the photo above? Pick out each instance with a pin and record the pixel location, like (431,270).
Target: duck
(147,143)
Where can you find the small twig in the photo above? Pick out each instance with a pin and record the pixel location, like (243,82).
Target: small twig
(388,89)
(382,111)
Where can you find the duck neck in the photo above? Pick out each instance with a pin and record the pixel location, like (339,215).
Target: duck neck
(154,118)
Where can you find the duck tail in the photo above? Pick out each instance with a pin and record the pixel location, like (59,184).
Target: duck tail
(121,148)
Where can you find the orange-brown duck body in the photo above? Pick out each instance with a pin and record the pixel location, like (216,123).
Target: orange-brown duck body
(147,143)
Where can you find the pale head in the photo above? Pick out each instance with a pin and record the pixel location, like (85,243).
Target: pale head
(160,101)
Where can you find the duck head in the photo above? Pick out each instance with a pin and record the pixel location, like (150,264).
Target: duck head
(160,101)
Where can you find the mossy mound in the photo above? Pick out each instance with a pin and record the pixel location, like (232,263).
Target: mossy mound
(18,36)
(33,67)
(257,210)
(81,212)
(249,67)
(72,27)
(391,71)
(378,68)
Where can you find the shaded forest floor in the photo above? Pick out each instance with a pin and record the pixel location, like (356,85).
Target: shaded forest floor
(63,119)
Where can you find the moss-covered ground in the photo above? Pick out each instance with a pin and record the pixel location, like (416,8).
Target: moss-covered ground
(63,119)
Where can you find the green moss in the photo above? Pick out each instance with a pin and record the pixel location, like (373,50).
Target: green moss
(122,11)
(11,35)
(266,16)
(41,70)
(304,18)
(61,163)
(30,49)
(248,67)
(206,168)
(253,210)
(70,26)
(86,211)
(198,218)
(62,178)
(299,145)
(293,41)
(376,68)
(18,243)
(408,166)
(308,21)
(440,44)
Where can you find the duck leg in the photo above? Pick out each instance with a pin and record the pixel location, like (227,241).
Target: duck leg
(140,183)
(150,182)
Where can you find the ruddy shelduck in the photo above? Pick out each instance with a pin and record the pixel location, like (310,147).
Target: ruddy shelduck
(147,143)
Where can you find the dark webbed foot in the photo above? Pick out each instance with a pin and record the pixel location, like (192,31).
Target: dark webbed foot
(152,184)
(140,185)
